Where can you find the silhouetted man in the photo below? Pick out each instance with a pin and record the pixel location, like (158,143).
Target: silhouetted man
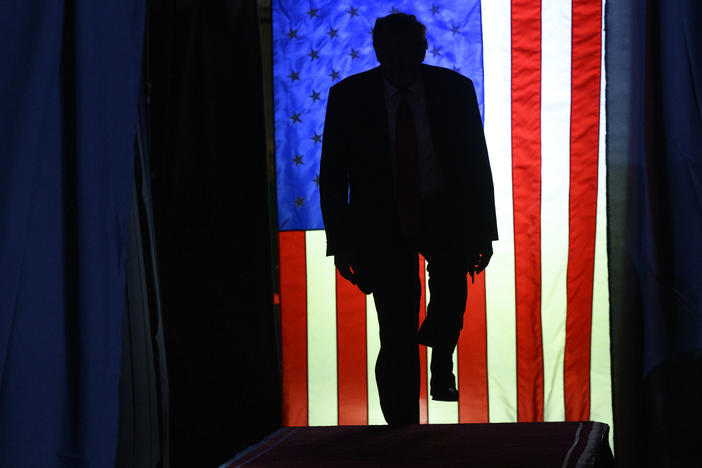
(405,170)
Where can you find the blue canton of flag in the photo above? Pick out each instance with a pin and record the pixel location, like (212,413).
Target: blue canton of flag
(317,44)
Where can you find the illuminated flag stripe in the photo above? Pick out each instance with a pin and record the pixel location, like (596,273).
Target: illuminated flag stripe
(472,357)
(585,129)
(322,364)
(293,317)
(424,382)
(500,274)
(351,343)
(555,159)
(526,179)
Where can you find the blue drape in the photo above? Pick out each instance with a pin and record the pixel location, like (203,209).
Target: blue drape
(69,85)
(654,186)
(668,233)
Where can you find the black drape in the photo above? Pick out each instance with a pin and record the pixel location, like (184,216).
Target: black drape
(212,222)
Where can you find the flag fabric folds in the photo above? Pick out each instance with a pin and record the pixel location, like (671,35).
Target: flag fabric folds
(535,344)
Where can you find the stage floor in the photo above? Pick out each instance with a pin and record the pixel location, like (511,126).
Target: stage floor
(544,445)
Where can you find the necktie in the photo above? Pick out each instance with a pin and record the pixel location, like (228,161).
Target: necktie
(406,168)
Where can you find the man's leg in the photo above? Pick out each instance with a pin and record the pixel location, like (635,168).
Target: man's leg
(397,297)
(443,246)
(448,293)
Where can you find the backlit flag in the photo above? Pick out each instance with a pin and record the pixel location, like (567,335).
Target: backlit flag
(535,344)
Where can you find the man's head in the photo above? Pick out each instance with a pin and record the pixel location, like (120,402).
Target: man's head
(400,44)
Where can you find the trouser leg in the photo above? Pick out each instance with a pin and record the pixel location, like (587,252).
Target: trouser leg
(442,366)
(443,244)
(448,291)
(397,299)
(448,294)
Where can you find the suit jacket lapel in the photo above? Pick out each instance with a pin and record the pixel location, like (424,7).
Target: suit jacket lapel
(377,111)
(433,98)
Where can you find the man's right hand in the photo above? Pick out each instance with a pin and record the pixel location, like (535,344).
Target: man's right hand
(344,262)
(348,264)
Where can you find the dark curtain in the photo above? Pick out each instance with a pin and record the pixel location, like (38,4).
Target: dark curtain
(71,74)
(654,157)
(212,223)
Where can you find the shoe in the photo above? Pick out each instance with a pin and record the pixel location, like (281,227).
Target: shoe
(447,392)
(443,381)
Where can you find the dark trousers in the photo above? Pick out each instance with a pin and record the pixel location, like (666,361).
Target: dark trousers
(397,294)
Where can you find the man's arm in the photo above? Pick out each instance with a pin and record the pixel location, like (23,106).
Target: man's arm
(334,188)
(333,176)
(481,189)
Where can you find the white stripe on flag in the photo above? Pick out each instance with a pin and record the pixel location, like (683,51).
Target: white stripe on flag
(600,376)
(499,276)
(555,170)
(321,333)
(375,414)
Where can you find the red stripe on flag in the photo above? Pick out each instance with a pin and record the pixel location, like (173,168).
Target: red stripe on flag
(423,406)
(472,357)
(293,326)
(351,353)
(526,180)
(584,151)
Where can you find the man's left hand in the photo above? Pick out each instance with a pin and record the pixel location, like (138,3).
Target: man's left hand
(482,258)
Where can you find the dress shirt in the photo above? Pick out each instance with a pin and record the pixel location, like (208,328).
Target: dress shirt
(429,173)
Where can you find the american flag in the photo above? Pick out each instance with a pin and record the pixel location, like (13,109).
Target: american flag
(535,344)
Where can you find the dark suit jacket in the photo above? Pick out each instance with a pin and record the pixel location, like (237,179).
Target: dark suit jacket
(356,180)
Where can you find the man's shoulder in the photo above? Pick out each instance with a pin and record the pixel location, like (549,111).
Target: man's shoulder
(358,81)
(445,76)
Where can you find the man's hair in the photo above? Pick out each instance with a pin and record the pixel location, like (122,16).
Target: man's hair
(402,26)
